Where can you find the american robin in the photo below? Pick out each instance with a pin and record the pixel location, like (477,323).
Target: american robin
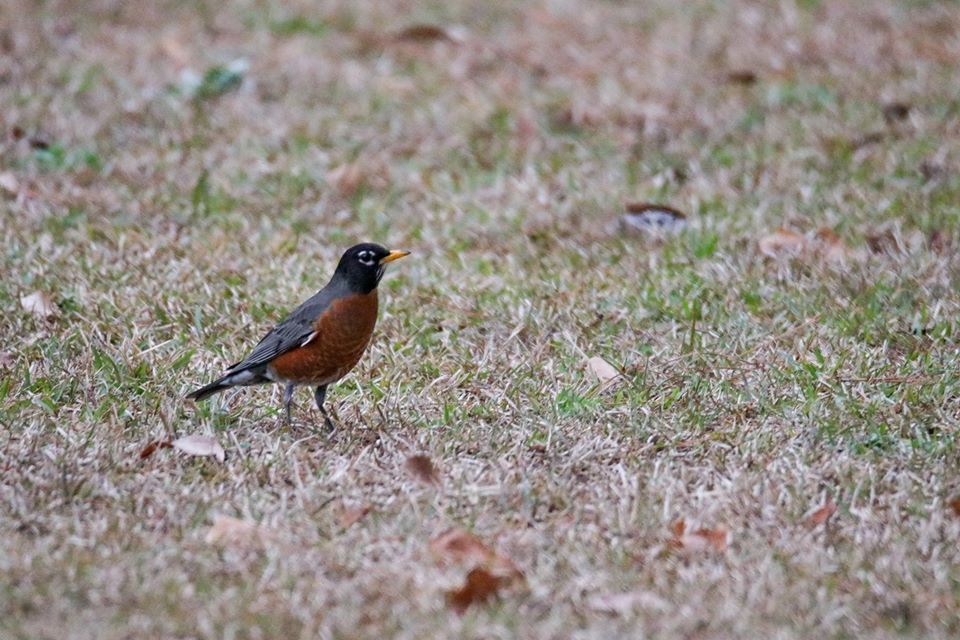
(323,338)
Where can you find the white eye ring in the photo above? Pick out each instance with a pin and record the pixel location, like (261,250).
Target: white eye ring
(366,258)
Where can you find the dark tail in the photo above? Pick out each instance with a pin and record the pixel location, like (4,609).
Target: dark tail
(214,387)
(242,378)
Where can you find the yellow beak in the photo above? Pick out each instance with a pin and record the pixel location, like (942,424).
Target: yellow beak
(393,255)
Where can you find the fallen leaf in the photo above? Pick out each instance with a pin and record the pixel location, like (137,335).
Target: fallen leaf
(830,245)
(422,468)
(227,531)
(742,76)
(884,242)
(895,111)
(352,516)
(151,447)
(648,217)
(955,505)
(430,33)
(625,602)
(200,446)
(39,143)
(782,242)
(603,370)
(39,304)
(9,185)
(458,546)
(678,527)
(347,178)
(821,515)
(716,538)
(699,540)
(480,586)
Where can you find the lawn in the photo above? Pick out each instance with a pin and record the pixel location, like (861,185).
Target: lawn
(742,425)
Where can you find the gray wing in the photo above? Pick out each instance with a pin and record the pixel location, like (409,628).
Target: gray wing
(294,331)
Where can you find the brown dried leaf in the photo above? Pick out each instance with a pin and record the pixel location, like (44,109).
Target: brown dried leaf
(227,531)
(955,505)
(347,178)
(152,446)
(827,235)
(678,528)
(821,515)
(698,541)
(781,243)
(480,586)
(200,446)
(350,517)
(715,539)
(895,111)
(421,467)
(9,185)
(430,33)
(884,242)
(603,370)
(458,546)
(742,76)
(39,142)
(830,245)
(39,304)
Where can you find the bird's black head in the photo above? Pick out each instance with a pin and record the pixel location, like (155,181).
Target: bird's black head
(362,265)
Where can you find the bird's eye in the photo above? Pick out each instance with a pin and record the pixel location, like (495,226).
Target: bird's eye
(366,258)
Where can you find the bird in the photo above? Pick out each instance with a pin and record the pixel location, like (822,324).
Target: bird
(320,341)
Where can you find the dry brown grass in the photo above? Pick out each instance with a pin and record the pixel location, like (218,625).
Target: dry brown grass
(170,232)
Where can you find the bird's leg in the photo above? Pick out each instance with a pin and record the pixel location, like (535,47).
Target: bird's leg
(287,399)
(321,395)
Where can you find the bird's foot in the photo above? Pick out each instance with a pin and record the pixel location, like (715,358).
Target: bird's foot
(328,423)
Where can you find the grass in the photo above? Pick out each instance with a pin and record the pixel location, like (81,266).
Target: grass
(172,223)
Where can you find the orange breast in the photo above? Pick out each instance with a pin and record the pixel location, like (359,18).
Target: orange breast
(343,333)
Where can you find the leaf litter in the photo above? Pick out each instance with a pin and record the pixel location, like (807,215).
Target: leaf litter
(40,304)
(195,445)
(422,468)
(822,514)
(227,531)
(489,574)
(602,370)
(700,540)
